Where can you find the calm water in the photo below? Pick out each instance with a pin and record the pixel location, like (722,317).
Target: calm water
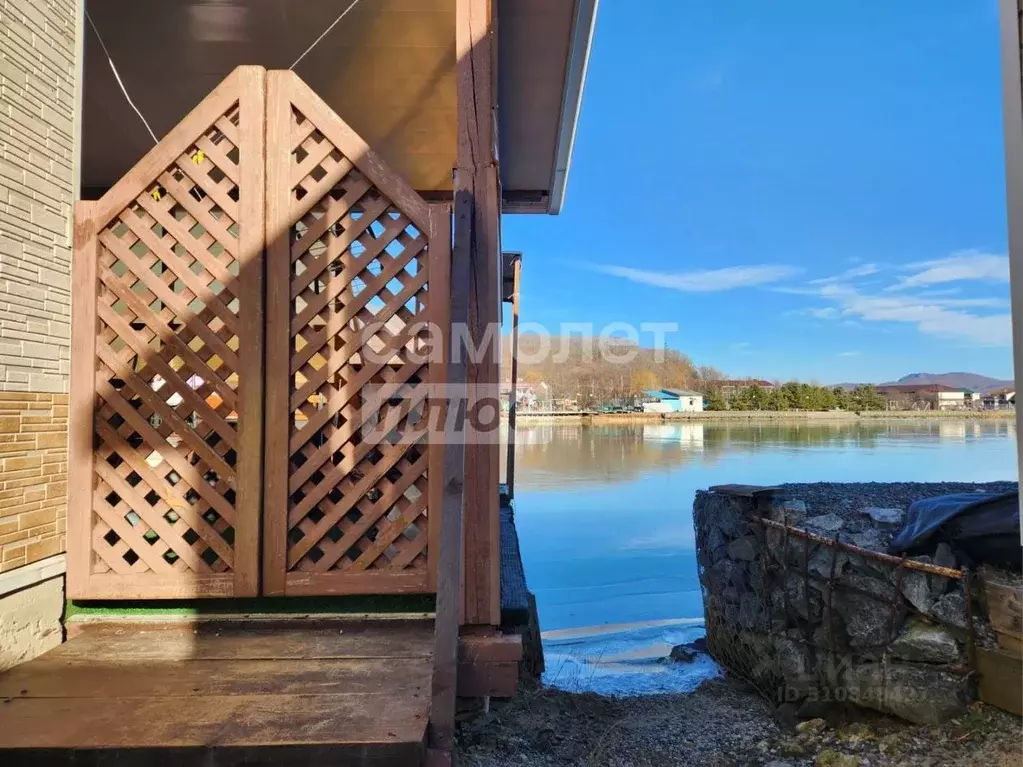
(604,516)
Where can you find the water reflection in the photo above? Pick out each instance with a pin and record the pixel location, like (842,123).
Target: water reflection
(556,455)
(688,435)
(604,513)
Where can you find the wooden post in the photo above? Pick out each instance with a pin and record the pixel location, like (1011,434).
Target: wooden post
(277,429)
(1012,120)
(478,209)
(252,189)
(82,399)
(449,540)
(512,401)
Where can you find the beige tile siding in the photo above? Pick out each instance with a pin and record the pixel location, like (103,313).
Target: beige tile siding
(37,104)
(37,139)
(33,477)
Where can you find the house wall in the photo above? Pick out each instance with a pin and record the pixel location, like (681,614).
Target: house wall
(38,75)
(948,400)
(691,404)
(662,406)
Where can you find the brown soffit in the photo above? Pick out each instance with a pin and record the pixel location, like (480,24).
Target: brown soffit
(402,101)
(575,78)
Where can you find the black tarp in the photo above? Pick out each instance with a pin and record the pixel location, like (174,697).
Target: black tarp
(981,528)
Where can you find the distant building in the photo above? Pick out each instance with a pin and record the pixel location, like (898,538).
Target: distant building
(673,401)
(729,387)
(998,399)
(528,396)
(923,397)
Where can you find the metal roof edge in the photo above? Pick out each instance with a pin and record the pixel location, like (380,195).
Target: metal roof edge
(575,77)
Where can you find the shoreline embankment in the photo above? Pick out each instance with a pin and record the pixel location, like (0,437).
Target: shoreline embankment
(840,416)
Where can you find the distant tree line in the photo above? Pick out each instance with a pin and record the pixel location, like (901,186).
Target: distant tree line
(594,372)
(796,396)
(591,373)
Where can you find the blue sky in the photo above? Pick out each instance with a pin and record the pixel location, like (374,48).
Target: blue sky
(810,189)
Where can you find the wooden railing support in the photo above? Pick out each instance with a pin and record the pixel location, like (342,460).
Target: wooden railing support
(516,267)
(449,559)
(477,231)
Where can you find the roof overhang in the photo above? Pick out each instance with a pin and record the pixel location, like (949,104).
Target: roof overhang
(543,51)
(388,69)
(575,77)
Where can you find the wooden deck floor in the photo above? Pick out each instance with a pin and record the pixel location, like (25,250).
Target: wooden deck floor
(338,693)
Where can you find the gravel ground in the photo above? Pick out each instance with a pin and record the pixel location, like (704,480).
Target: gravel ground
(725,722)
(722,723)
(846,498)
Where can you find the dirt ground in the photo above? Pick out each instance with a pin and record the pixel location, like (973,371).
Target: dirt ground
(722,723)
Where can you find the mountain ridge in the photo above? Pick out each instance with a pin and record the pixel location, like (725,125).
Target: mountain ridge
(958,379)
(955,379)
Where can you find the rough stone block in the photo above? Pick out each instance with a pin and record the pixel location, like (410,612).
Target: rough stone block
(825,524)
(787,511)
(745,549)
(867,620)
(30,622)
(926,643)
(796,663)
(913,691)
(798,598)
(890,518)
(951,608)
(916,587)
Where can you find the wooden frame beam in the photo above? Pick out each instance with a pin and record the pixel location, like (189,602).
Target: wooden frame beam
(469,547)
(513,262)
(1012,117)
(478,232)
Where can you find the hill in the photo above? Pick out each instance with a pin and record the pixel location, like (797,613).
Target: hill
(594,371)
(973,381)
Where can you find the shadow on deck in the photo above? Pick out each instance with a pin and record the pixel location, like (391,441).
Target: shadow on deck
(232,692)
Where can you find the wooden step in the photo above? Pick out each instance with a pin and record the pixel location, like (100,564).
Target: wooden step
(348,693)
(488,662)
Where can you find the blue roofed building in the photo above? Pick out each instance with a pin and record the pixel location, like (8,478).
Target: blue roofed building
(673,401)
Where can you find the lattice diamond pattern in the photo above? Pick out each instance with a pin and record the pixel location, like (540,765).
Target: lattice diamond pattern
(167,362)
(359,293)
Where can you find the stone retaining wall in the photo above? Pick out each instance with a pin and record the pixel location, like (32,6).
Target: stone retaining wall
(811,623)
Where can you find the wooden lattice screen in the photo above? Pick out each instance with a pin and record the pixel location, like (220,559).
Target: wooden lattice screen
(174,491)
(167,362)
(357,263)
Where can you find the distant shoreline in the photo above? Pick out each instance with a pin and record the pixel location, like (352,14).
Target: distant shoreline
(526,419)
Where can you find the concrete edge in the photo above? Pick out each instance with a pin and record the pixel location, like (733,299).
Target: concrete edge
(229,618)
(32,574)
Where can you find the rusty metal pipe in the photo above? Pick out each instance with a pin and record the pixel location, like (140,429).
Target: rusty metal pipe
(945,572)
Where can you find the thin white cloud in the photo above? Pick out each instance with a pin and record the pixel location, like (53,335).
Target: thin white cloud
(848,354)
(824,312)
(967,265)
(946,318)
(863,270)
(705,280)
(989,303)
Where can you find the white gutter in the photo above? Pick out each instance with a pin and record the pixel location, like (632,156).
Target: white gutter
(575,77)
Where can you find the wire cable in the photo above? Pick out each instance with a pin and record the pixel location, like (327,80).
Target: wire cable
(117,77)
(324,34)
(124,90)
